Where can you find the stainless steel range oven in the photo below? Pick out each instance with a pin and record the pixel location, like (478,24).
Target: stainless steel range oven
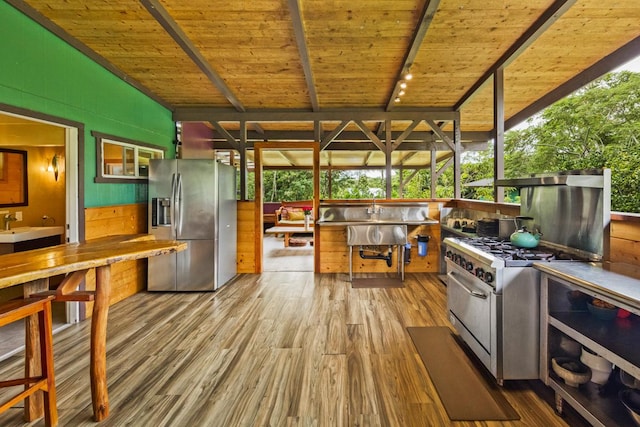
(493,302)
(492,288)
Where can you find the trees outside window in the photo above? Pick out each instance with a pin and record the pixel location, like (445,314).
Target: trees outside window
(596,127)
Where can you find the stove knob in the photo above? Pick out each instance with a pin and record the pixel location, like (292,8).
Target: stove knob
(468,266)
(449,254)
(480,273)
(488,277)
(461,261)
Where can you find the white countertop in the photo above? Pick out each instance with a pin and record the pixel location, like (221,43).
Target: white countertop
(21,234)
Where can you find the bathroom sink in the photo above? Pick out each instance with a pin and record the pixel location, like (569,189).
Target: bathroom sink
(20,234)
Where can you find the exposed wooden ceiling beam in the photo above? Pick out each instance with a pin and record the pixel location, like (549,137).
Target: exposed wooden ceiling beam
(372,136)
(298,28)
(166,21)
(328,139)
(428,12)
(367,157)
(287,157)
(204,114)
(438,131)
(404,135)
(355,136)
(548,18)
(619,57)
(223,144)
(222,131)
(408,156)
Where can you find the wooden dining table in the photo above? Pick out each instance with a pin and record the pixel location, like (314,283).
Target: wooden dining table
(33,268)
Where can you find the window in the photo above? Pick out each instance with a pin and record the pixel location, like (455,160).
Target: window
(123,160)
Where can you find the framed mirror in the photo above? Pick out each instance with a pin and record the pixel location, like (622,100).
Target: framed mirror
(13,178)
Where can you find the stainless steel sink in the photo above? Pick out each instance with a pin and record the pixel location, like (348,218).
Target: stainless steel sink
(376,234)
(360,214)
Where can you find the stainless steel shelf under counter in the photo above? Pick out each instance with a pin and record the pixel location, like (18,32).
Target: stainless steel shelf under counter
(593,276)
(569,327)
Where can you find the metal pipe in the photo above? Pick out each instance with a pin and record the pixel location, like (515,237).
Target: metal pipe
(379,255)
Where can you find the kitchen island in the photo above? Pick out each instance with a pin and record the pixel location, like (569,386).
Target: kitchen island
(32,269)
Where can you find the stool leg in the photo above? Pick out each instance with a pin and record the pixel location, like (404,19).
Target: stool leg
(33,404)
(98,369)
(46,355)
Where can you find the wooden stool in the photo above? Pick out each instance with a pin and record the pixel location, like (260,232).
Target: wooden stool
(13,311)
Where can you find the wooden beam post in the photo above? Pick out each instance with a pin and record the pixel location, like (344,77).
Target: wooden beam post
(498,133)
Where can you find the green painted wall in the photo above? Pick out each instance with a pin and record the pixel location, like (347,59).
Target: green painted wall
(40,72)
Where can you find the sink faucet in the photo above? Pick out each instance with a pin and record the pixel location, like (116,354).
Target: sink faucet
(8,218)
(374,209)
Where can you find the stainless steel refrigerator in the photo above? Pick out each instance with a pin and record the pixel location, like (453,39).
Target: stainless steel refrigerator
(193,201)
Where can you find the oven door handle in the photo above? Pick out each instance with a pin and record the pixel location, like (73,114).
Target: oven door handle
(471,292)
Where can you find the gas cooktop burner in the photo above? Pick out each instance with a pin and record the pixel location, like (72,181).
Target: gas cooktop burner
(513,255)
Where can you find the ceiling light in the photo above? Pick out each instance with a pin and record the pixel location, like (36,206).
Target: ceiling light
(401,93)
(408,76)
(403,85)
(396,100)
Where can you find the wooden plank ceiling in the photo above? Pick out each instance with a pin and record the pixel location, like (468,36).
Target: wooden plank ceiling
(330,70)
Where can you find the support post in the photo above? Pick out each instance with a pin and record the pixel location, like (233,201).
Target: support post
(498,133)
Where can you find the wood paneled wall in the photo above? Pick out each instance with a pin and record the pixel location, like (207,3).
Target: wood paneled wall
(127,278)
(625,243)
(247,237)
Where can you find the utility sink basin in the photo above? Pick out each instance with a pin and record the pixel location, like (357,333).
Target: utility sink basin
(21,234)
(372,234)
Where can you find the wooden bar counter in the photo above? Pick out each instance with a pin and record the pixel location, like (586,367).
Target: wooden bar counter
(33,269)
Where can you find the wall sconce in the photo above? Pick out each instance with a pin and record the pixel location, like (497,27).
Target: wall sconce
(55,165)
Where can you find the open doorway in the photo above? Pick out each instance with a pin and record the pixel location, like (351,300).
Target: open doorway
(50,146)
(288,242)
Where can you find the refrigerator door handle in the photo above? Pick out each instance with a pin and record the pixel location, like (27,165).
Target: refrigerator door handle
(172,213)
(179,205)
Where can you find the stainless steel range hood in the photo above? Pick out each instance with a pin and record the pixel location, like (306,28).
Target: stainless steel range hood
(572,209)
(588,178)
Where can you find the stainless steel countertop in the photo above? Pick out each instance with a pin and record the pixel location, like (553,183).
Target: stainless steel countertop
(591,275)
(457,231)
(379,222)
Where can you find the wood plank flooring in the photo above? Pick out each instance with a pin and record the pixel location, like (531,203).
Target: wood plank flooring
(276,349)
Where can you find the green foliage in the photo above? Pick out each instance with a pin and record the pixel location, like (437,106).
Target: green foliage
(279,185)
(596,127)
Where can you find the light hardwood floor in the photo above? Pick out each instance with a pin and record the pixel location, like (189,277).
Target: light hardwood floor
(276,349)
(277,257)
